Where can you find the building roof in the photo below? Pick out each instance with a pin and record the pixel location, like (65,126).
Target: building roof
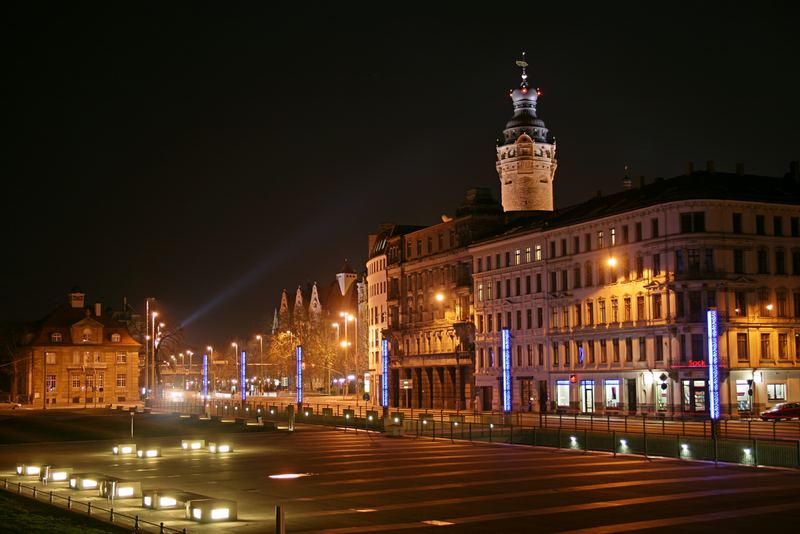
(698,185)
(61,320)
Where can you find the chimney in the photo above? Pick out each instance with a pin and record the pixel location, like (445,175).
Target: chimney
(98,309)
(710,165)
(689,167)
(76,298)
(740,169)
(642,181)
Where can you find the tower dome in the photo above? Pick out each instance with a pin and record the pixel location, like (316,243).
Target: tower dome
(526,158)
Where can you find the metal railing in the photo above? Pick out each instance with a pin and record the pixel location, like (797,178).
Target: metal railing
(90,508)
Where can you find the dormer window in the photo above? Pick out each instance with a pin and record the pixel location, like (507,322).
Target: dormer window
(55,337)
(115,338)
(87,336)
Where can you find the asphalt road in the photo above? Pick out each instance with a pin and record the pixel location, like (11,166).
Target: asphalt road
(360,482)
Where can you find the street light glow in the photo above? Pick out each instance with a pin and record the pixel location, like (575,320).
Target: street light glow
(439,297)
(612,262)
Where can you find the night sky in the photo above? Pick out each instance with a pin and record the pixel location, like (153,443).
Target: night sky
(210,156)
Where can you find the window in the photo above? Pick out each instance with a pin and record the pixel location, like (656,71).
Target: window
(479,266)
(693,222)
(796,262)
(653,228)
(780,262)
(776,392)
(508,259)
(639,267)
(780,297)
(488,263)
(519,355)
(480,323)
(50,358)
(682,348)
(538,253)
(601,275)
(587,242)
(563,247)
(528,284)
(614,311)
(765,349)
(55,337)
(680,261)
(564,280)
(613,235)
(738,261)
(538,282)
(708,260)
(638,231)
(659,346)
(540,350)
(576,245)
(430,244)
(589,313)
(603,351)
(741,347)
(657,306)
(419,247)
(783,346)
(539,317)
(530,356)
(737,223)
(576,277)
(629,349)
(640,315)
(615,349)
(795,226)
(612,393)
(552,250)
(697,347)
(490,357)
(489,320)
(75,381)
(588,274)
(50,382)
(555,354)
(693,260)
(565,317)
(553,282)
(498,290)
(627,301)
(508,287)
(625,234)
(519,319)
(740,303)
(761,255)
(441,241)
(529,318)
(777,225)
(601,304)
(562,393)
(600,239)
(680,307)
(517,286)
(115,338)
(122,358)
(760,225)
(566,353)
(642,349)
(87,335)
(527,254)
(122,380)
(481,363)
(480,292)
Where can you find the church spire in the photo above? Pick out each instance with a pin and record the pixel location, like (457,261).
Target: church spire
(524,64)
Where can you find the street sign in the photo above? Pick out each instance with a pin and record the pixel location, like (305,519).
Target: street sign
(407,383)
(366,396)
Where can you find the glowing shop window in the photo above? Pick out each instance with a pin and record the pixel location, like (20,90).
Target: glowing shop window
(197,513)
(562,393)
(125,491)
(148,501)
(612,393)
(167,501)
(220,513)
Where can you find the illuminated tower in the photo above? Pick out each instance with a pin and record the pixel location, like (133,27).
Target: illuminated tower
(526,157)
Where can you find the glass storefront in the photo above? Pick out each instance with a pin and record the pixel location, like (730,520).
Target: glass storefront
(662,396)
(612,393)
(587,396)
(744,401)
(694,396)
(562,393)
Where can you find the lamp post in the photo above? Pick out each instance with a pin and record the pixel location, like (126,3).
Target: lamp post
(261,361)
(190,353)
(235,352)
(210,350)
(336,326)
(152,370)
(347,318)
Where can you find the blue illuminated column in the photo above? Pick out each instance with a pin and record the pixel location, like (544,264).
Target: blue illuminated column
(299,374)
(713,363)
(205,376)
(243,378)
(506,370)
(385,371)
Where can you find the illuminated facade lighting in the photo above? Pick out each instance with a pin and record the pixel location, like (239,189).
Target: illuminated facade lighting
(507,379)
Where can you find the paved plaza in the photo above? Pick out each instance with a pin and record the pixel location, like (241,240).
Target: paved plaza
(365,482)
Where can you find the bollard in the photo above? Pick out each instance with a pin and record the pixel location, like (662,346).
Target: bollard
(161,528)
(19,487)
(89,508)
(34,493)
(51,496)
(136,523)
(280,520)
(69,502)
(111,514)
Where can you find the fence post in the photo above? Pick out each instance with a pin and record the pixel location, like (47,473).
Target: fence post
(798,454)
(614,442)
(19,487)
(470,432)
(51,491)
(755,452)
(608,422)
(511,435)
(5,483)
(558,438)
(774,425)
(585,441)
(136,523)
(161,528)
(280,520)
(644,433)
(34,493)
(89,508)
(69,502)
(111,514)
(533,439)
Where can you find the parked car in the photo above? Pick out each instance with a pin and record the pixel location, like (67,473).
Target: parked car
(784,410)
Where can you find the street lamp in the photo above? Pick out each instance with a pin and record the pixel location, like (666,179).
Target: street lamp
(261,360)
(235,353)
(210,350)
(152,371)
(190,353)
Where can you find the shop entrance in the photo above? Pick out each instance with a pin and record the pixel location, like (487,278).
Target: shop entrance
(587,396)
(695,394)
(631,395)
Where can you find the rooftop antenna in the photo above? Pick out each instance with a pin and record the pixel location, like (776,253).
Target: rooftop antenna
(524,64)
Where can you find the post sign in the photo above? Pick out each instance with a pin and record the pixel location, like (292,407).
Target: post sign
(713,363)
(299,374)
(506,336)
(407,383)
(385,371)
(243,377)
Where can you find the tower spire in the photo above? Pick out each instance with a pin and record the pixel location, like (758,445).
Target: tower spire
(524,64)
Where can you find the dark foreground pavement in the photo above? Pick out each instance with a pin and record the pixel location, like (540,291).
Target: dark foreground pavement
(359,482)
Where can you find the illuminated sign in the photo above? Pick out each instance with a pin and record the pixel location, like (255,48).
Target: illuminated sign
(506,336)
(385,371)
(299,374)
(713,363)
(243,377)
(205,376)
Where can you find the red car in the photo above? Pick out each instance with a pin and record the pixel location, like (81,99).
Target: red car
(784,410)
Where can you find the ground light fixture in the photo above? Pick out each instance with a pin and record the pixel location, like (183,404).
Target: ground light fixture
(124,449)
(28,470)
(289,476)
(217,448)
(120,489)
(85,481)
(55,474)
(210,510)
(168,498)
(149,452)
(193,444)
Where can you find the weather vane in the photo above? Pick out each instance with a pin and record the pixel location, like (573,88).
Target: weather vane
(524,64)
